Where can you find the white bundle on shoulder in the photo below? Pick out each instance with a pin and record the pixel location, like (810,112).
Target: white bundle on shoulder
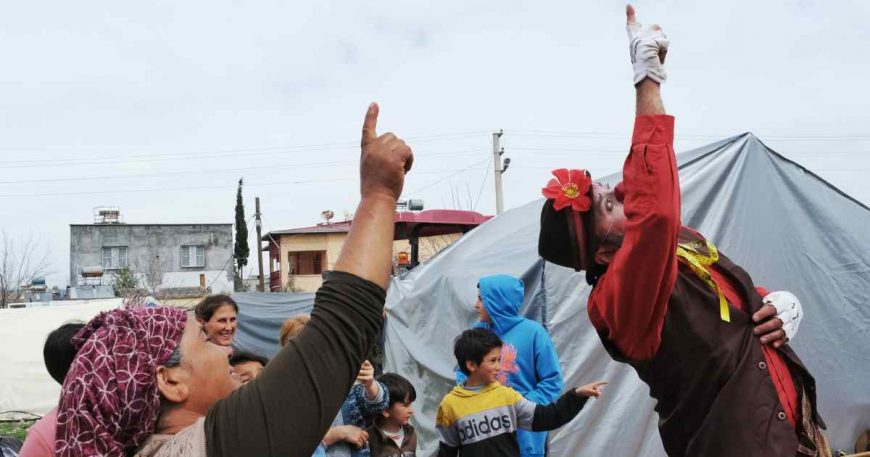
(788,310)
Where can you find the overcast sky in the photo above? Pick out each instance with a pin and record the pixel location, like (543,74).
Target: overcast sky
(160,107)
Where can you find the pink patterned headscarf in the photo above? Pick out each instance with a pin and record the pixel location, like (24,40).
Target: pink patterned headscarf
(110,400)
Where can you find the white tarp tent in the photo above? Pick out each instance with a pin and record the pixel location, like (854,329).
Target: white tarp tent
(790,229)
(787,227)
(25,384)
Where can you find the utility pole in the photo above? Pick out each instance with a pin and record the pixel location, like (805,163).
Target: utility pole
(260,286)
(497,152)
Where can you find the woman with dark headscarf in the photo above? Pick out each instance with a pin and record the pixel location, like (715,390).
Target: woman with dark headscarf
(148,382)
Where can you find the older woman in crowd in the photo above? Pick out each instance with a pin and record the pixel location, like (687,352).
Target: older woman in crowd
(217,315)
(149,382)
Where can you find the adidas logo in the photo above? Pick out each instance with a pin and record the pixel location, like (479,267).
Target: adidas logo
(475,428)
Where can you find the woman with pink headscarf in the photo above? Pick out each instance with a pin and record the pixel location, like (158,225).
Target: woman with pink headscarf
(148,382)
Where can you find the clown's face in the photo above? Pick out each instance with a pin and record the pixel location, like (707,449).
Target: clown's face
(609,217)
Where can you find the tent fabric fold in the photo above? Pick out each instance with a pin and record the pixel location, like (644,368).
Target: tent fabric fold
(786,226)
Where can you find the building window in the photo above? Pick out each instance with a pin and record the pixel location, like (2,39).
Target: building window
(306,262)
(193,256)
(114,257)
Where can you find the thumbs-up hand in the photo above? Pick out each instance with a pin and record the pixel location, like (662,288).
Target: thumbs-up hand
(385,160)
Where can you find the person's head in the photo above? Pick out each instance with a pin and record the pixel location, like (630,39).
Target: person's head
(582,223)
(608,221)
(482,313)
(478,355)
(499,300)
(402,395)
(292,327)
(135,370)
(217,314)
(247,365)
(59,350)
(197,374)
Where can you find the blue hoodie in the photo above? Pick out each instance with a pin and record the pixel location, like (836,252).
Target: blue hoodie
(529,361)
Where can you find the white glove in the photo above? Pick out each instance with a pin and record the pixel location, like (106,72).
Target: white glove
(788,310)
(647,46)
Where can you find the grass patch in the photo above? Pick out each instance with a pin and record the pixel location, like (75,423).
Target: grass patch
(18,429)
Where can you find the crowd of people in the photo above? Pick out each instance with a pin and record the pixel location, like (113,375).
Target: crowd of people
(374,419)
(156,381)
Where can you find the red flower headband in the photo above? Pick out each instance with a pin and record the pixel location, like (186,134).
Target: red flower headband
(570,188)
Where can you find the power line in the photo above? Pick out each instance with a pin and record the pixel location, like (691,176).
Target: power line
(446,177)
(222,269)
(184,154)
(292,150)
(545,150)
(220,186)
(273,150)
(621,136)
(161,189)
(482,184)
(593,134)
(222,152)
(221,170)
(553,167)
(809,138)
(822,154)
(624,151)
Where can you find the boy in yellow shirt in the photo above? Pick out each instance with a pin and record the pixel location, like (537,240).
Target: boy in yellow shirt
(481,416)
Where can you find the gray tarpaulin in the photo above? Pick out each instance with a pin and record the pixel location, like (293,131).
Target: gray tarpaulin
(260,318)
(787,227)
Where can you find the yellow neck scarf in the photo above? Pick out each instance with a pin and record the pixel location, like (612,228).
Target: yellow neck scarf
(699,263)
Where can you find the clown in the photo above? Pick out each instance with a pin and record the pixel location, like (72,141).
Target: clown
(710,345)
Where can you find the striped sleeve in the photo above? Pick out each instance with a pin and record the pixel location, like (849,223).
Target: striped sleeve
(445,425)
(448,436)
(525,410)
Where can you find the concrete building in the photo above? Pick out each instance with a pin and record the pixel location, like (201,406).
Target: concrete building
(297,257)
(162,256)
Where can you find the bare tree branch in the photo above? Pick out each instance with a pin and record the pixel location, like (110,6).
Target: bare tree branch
(154,277)
(21,260)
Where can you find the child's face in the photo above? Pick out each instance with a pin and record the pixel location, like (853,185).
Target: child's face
(400,412)
(487,371)
(482,314)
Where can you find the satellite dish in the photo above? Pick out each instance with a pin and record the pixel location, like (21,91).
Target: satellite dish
(327,215)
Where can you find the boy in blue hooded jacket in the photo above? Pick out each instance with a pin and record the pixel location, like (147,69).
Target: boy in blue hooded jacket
(529,361)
